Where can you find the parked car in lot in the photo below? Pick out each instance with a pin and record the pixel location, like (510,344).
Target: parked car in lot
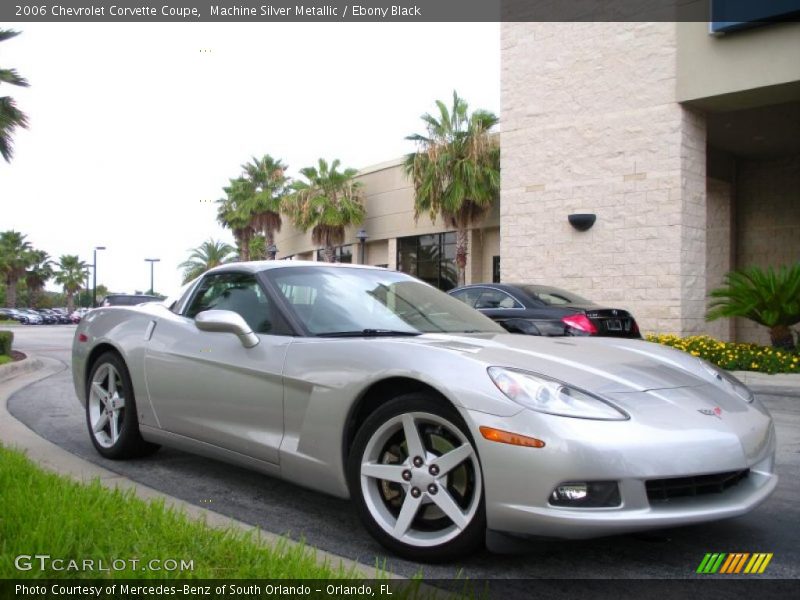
(546,310)
(33,318)
(128,299)
(61,315)
(78,314)
(439,424)
(48,317)
(13,315)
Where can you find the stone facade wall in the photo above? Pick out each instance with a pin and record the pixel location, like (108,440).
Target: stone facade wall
(590,124)
(767,222)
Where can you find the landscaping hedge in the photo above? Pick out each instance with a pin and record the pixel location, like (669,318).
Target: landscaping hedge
(6,340)
(734,357)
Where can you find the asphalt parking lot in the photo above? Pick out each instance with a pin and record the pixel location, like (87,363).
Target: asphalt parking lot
(50,408)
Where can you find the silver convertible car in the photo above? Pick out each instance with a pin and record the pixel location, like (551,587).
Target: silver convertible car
(370,384)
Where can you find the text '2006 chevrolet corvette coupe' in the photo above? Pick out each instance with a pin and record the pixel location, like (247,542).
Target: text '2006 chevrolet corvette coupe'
(440,425)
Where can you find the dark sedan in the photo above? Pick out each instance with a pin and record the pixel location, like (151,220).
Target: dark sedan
(545,310)
(129,299)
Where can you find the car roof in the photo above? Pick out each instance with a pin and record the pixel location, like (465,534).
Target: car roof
(256,266)
(130,296)
(508,287)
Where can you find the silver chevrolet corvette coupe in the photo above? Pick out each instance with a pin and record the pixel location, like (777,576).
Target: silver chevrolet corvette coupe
(367,383)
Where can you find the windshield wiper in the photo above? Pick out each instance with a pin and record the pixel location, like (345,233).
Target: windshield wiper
(369,333)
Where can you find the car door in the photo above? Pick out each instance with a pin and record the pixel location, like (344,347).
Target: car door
(206,385)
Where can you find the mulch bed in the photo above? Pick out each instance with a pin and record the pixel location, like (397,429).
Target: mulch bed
(16,355)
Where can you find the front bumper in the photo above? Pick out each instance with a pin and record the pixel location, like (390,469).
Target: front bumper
(519,480)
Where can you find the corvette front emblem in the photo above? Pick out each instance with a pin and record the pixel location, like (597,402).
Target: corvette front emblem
(712,412)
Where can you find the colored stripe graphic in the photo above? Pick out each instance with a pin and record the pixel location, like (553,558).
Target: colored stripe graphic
(733,563)
(758,563)
(711,563)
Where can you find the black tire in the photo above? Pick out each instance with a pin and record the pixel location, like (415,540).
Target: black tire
(472,536)
(129,444)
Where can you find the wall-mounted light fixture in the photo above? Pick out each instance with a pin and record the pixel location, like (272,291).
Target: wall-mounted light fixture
(582,221)
(361,236)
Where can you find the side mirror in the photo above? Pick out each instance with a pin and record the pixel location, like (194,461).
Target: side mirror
(227,321)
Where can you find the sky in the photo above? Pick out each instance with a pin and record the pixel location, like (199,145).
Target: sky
(135,128)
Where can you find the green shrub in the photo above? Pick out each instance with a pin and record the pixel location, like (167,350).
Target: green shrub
(734,357)
(768,297)
(6,339)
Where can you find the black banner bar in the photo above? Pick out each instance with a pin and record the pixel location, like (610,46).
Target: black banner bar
(734,587)
(396,10)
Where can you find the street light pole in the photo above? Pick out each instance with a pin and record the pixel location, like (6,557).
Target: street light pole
(152,261)
(87,287)
(94,276)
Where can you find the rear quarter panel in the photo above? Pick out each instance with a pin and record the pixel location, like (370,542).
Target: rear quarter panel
(120,328)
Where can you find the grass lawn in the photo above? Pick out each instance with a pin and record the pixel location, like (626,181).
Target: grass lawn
(46,513)
(5,358)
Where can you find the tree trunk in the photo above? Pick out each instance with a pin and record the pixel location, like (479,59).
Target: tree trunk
(11,293)
(70,303)
(781,337)
(462,247)
(244,251)
(33,297)
(329,253)
(270,235)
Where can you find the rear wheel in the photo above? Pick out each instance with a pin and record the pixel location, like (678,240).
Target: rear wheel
(111,411)
(415,477)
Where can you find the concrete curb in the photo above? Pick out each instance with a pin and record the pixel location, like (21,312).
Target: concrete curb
(788,381)
(54,458)
(14,369)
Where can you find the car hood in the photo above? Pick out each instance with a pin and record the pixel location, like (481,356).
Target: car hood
(603,365)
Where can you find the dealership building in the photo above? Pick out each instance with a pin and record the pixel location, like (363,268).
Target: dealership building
(682,142)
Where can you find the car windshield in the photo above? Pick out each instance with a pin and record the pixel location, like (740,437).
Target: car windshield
(339,300)
(554,296)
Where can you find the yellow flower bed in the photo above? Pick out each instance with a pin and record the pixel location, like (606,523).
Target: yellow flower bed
(734,357)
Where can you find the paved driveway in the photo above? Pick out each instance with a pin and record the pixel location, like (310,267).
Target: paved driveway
(51,409)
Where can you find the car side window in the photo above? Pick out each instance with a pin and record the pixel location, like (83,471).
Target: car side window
(496,299)
(468,296)
(237,292)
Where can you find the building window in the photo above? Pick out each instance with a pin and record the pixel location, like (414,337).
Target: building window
(341,254)
(431,258)
(495,269)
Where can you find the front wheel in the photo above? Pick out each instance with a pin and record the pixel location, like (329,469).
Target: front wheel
(415,477)
(111,411)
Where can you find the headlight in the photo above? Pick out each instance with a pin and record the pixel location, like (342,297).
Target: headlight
(550,396)
(728,381)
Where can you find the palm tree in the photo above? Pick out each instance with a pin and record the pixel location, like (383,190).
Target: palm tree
(234,212)
(40,271)
(327,203)
(456,170)
(207,255)
(15,258)
(71,275)
(267,177)
(770,298)
(10,116)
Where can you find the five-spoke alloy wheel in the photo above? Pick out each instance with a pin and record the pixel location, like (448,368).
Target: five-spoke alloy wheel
(111,410)
(416,479)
